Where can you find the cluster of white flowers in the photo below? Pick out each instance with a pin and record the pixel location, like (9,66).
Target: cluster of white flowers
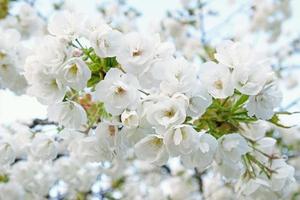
(11,58)
(187,25)
(15,31)
(122,101)
(156,103)
(26,21)
(269,15)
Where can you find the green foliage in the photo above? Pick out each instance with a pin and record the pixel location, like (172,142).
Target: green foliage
(81,196)
(95,78)
(97,113)
(295,196)
(98,66)
(210,52)
(4,178)
(251,161)
(240,102)
(109,63)
(276,120)
(223,116)
(118,183)
(3,8)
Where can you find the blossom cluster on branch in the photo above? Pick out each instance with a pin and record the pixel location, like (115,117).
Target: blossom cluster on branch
(121,99)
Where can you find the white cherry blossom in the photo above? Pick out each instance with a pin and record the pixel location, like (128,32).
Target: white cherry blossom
(118,91)
(7,151)
(43,147)
(179,77)
(130,119)
(106,42)
(263,104)
(232,147)
(217,79)
(152,149)
(166,113)
(137,51)
(11,191)
(203,154)
(68,114)
(75,74)
(199,101)
(65,25)
(181,140)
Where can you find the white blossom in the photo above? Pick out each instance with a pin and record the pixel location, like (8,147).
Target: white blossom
(179,77)
(75,74)
(88,149)
(137,51)
(65,25)
(118,91)
(217,79)
(166,113)
(263,104)
(204,152)
(198,102)
(43,147)
(284,175)
(130,119)
(68,114)
(122,103)
(232,147)
(35,177)
(110,138)
(106,42)
(7,151)
(254,131)
(11,191)
(181,140)
(152,149)
(48,90)
(177,189)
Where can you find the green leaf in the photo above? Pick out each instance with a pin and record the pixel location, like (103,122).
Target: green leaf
(109,63)
(94,80)
(240,102)
(210,52)
(81,196)
(97,113)
(4,178)
(286,113)
(94,67)
(276,121)
(188,119)
(103,113)
(244,119)
(118,183)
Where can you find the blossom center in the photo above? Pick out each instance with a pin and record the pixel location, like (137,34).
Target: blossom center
(169,113)
(120,91)
(54,84)
(73,69)
(218,84)
(136,53)
(156,142)
(112,130)
(2,55)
